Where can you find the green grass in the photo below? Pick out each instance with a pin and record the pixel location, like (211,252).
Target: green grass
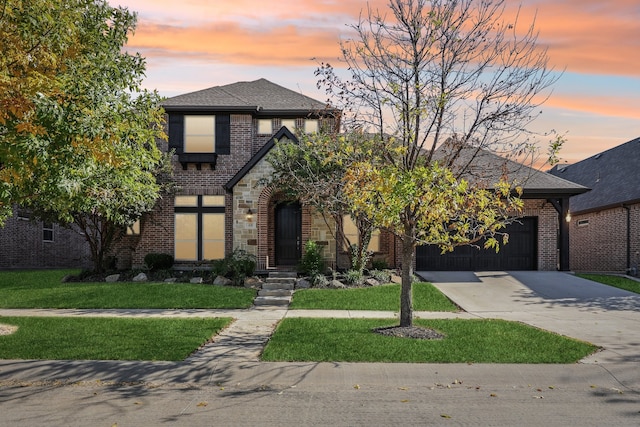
(385,298)
(616,281)
(43,289)
(92,338)
(466,341)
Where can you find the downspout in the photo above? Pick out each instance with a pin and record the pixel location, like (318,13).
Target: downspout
(628,209)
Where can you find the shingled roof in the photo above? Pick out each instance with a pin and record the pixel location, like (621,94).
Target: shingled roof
(489,167)
(613,176)
(259,96)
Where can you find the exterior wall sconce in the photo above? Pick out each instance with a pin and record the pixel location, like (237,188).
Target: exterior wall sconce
(249,215)
(568,217)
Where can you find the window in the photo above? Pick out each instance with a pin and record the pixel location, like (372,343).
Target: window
(311,126)
(134,229)
(289,124)
(199,228)
(47,231)
(265,127)
(350,231)
(199,134)
(24,214)
(582,222)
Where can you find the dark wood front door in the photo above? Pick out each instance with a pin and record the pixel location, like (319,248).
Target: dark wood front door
(288,234)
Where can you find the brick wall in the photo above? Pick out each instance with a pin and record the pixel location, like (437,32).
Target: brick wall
(22,246)
(598,240)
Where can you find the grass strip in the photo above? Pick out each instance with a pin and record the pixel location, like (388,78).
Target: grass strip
(106,338)
(385,298)
(43,289)
(466,341)
(615,281)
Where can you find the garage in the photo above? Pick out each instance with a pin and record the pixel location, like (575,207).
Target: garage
(519,254)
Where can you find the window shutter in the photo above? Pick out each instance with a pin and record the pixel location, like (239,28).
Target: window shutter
(223,134)
(176,132)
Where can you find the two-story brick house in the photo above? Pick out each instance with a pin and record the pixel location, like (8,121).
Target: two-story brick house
(220,137)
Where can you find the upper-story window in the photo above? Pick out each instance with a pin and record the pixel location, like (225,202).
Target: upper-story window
(199,134)
(311,126)
(265,127)
(289,124)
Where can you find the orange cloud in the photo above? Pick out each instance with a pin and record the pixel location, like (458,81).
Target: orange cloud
(613,106)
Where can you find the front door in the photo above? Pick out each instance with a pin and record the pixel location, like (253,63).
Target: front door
(288,234)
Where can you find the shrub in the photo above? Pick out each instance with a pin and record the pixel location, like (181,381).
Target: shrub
(382,276)
(236,266)
(312,263)
(354,277)
(155,261)
(379,264)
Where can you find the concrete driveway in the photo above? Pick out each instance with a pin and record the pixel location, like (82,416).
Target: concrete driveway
(555,301)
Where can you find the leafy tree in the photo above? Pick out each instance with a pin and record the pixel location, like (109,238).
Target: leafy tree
(78,134)
(444,84)
(313,171)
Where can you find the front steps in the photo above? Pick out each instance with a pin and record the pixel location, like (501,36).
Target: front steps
(277,291)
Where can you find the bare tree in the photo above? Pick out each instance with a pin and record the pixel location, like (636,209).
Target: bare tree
(442,83)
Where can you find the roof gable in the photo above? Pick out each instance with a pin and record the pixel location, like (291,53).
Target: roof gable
(613,176)
(260,96)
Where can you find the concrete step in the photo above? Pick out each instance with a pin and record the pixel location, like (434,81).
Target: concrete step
(275,293)
(283,274)
(269,300)
(280,280)
(273,286)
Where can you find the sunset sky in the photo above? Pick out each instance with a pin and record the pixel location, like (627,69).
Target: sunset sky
(195,44)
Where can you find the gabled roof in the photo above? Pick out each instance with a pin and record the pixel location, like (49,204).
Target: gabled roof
(489,167)
(613,176)
(259,96)
(281,135)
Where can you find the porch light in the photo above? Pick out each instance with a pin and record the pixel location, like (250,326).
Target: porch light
(249,215)
(568,217)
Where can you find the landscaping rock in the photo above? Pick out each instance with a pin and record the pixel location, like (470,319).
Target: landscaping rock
(371,282)
(252,282)
(396,279)
(303,284)
(222,281)
(170,280)
(140,278)
(336,284)
(112,278)
(196,280)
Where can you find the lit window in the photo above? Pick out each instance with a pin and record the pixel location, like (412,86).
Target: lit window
(199,228)
(350,231)
(134,229)
(265,127)
(311,126)
(47,231)
(199,134)
(289,124)
(582,222)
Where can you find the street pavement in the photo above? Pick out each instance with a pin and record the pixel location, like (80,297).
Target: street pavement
(225,384)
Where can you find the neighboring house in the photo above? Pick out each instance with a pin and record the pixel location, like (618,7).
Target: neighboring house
(28,244)
(221,136)
(605,222)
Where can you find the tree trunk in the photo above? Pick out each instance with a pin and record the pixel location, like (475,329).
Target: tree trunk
(406,296)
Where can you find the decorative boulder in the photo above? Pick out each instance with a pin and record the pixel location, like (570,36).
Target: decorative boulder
(396,279)
(222,281)
(141,278)
(196,280)
(112,278)
(170,280)
(371,282)
(252,282)
(303,284)
(336,284)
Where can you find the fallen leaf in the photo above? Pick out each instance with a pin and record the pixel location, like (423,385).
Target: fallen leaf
(114,425)
(538,397)
(551,387)
(404,400)
(594,386)
(403,388)
(493,395)
(357,387)
(445,416)
(202,404)
(457,382)
(137,403)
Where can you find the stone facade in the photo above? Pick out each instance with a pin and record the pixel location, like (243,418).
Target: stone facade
(599,240)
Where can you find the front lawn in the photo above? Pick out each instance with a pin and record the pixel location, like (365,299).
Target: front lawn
(385,298)
(43,289)
(466,341)
(106,338)
(616,281)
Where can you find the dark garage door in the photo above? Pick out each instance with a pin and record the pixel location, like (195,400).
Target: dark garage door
(519,254)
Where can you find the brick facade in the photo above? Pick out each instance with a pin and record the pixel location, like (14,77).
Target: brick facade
(599,240)
(23,246)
